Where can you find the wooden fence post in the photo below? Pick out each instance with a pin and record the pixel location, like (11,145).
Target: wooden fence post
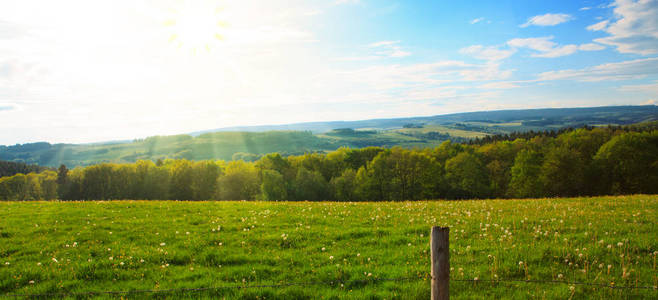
(440,263)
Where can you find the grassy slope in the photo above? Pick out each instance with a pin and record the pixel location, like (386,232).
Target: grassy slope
(101,245)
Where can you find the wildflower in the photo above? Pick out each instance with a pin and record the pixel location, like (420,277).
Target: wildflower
(600,266)
(369,274)
(39,263)
(560,276)
(121,263)
(55,259)
(111,258)
(476,278)
(162,244)
(520,263)
(141,260)
(331,257)
(358,254)
(323,248)
(187,232)
(572,288)
(110,232)
(620,244)
(220,243)
(31,282)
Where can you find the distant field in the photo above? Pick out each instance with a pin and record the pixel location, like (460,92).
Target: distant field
(443,129)
(56,247)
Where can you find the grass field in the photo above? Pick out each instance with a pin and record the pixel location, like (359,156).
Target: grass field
(57,247)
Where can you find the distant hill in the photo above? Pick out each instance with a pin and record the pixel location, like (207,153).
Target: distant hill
(500,121)
(248,143)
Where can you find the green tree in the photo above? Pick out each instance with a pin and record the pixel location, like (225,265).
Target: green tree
(49,186)
(467,176)
(62,180)
(273,185)
(96,182)
(240,182)
(311,186)
(182,178)
(526,170)
(628,163)
(204,179)
(374,179)
(344,186)
(499,157)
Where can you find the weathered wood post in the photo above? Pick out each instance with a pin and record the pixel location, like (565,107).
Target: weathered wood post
(440,263)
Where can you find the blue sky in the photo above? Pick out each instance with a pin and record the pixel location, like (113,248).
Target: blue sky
(86,71)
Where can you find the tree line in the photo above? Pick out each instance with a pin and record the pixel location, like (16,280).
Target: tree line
(10,168)
(580,162)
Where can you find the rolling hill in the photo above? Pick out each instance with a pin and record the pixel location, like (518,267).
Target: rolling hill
(248,143)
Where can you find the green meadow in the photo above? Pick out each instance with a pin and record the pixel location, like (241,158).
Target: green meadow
(94,246)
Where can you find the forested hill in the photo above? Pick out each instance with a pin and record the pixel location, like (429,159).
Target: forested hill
(250,143)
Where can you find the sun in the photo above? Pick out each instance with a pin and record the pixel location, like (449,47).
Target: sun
(196,26)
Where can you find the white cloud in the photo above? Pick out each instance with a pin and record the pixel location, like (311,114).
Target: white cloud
(499,85)
(591,47)
(389,49)
(490,53)
(477,20)
(558,51)
(549,49)
(651,88)
(383,43)
(635,28)
(542,44)
(384,78)
(598,26)
(547,20)
(632,69)
(585,8)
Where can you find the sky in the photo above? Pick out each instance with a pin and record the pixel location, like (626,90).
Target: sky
(90,71)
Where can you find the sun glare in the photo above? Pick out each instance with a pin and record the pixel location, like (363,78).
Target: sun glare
(196,26)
